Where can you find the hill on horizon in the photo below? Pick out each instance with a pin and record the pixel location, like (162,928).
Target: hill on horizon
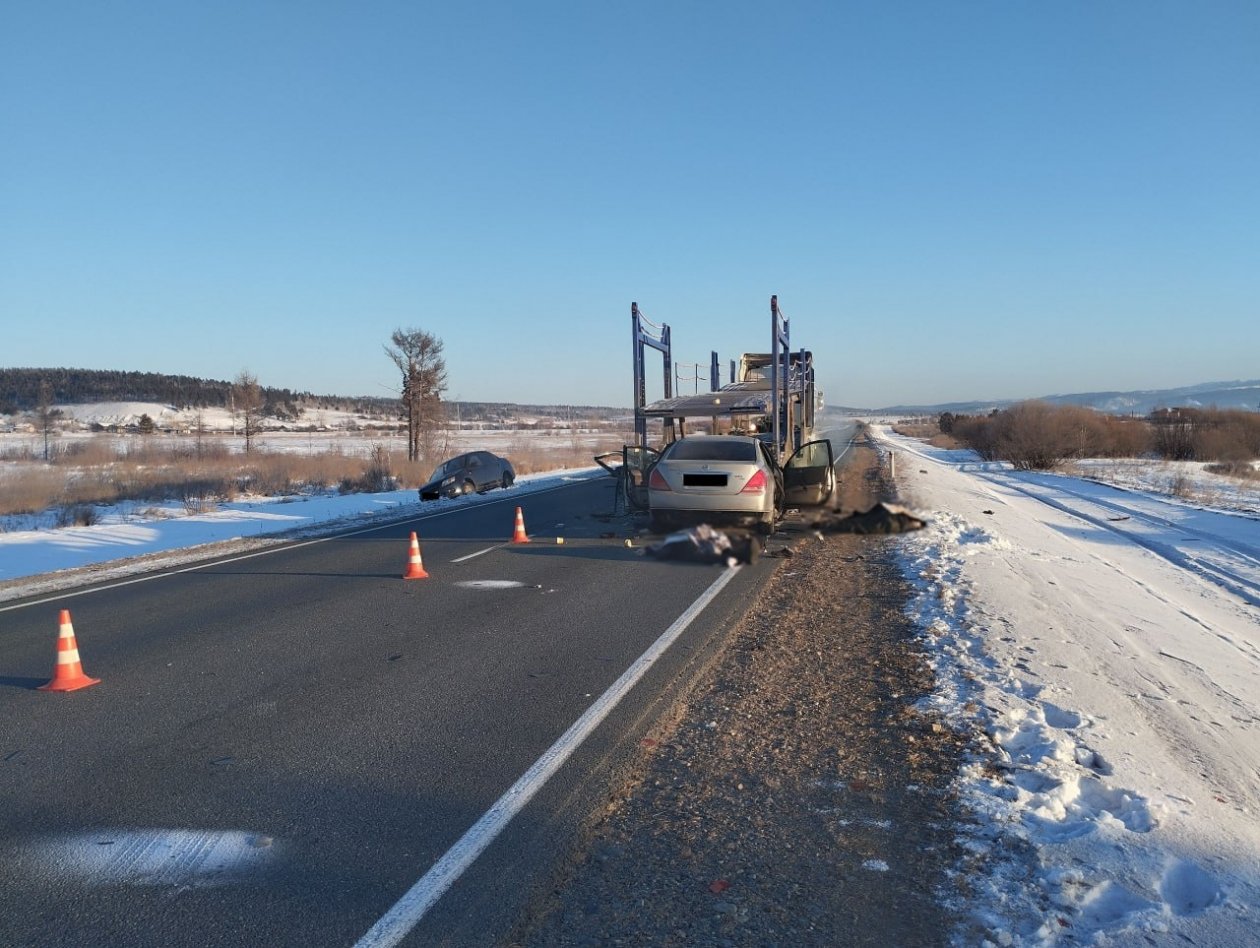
(1243,395)
(20,393)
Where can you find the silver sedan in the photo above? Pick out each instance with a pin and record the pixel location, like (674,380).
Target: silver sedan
(734,479)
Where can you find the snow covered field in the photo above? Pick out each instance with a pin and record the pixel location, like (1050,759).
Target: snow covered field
(359,444)
(30,546)
(129,530)
(336,438)
(1108,643)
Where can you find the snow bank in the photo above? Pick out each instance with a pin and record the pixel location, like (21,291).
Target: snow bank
(132,530)
(1106,646)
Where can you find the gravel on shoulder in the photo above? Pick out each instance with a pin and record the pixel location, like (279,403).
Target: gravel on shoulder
(795,795)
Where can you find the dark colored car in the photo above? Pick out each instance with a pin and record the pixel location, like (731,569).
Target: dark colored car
(474,472)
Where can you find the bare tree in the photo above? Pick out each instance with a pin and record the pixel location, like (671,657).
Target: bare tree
(418,356)
(248,401)
(1173,433)
(46,415)
(1037,436)
(199,430)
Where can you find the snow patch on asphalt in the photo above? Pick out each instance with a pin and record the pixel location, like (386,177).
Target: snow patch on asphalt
(156,857)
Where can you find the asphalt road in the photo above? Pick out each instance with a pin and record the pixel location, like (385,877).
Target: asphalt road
(283,743)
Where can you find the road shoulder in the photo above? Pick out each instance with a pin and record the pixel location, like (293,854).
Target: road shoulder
(796,795)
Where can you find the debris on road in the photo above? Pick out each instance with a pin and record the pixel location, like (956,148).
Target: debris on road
(704,544)
(882,518)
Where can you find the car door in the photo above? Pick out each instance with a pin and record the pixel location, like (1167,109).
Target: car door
(472,471)
(809,476)
(485,471)
(637,464)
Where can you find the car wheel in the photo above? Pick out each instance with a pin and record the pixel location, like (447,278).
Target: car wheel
(469,487)
(507,480)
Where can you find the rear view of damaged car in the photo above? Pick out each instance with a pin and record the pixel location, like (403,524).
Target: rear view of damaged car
(716,479)
(732,479)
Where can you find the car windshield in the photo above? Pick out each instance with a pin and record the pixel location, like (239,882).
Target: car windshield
(446,469)
(716,450)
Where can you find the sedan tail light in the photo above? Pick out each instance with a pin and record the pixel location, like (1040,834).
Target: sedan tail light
(657,481)
(756,484)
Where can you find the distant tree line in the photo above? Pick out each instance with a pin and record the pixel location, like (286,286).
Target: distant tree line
(1040,436)
(20,391)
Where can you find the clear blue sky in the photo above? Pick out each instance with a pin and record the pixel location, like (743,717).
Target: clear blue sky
(952,200)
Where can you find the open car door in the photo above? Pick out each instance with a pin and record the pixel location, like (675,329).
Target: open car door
(631,473)
(639,462)
(809,476)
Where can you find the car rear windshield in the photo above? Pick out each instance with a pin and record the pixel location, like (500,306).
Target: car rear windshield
(713,451)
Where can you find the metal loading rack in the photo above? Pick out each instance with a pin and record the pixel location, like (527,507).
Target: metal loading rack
(772,394)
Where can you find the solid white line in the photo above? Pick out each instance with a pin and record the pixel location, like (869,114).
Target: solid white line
(148,577)
(478,553)
(74,593)
(407,912)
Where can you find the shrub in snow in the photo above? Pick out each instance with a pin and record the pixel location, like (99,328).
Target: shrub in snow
(78,515)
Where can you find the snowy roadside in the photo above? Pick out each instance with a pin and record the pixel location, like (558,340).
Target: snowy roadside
(132,538)
(1108,642)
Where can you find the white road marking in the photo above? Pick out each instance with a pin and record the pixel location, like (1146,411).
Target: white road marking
(847,448)
(479,553)
(407,912)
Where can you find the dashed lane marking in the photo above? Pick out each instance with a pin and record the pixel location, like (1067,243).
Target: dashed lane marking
(470,556)
(284,547)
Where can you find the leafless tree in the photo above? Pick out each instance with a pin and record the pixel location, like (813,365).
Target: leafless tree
(248,402)
(46,415)
(1173,433)
(199,431)
(1034,436)
(418,356)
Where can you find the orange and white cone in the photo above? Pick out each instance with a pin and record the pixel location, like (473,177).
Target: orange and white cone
(519,536)
(415,565)
(68,672)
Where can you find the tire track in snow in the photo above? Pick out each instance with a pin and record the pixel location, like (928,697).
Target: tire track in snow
(1245,587)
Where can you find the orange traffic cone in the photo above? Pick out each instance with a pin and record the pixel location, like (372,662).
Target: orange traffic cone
(415,566)
(68,672)
(519,535)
